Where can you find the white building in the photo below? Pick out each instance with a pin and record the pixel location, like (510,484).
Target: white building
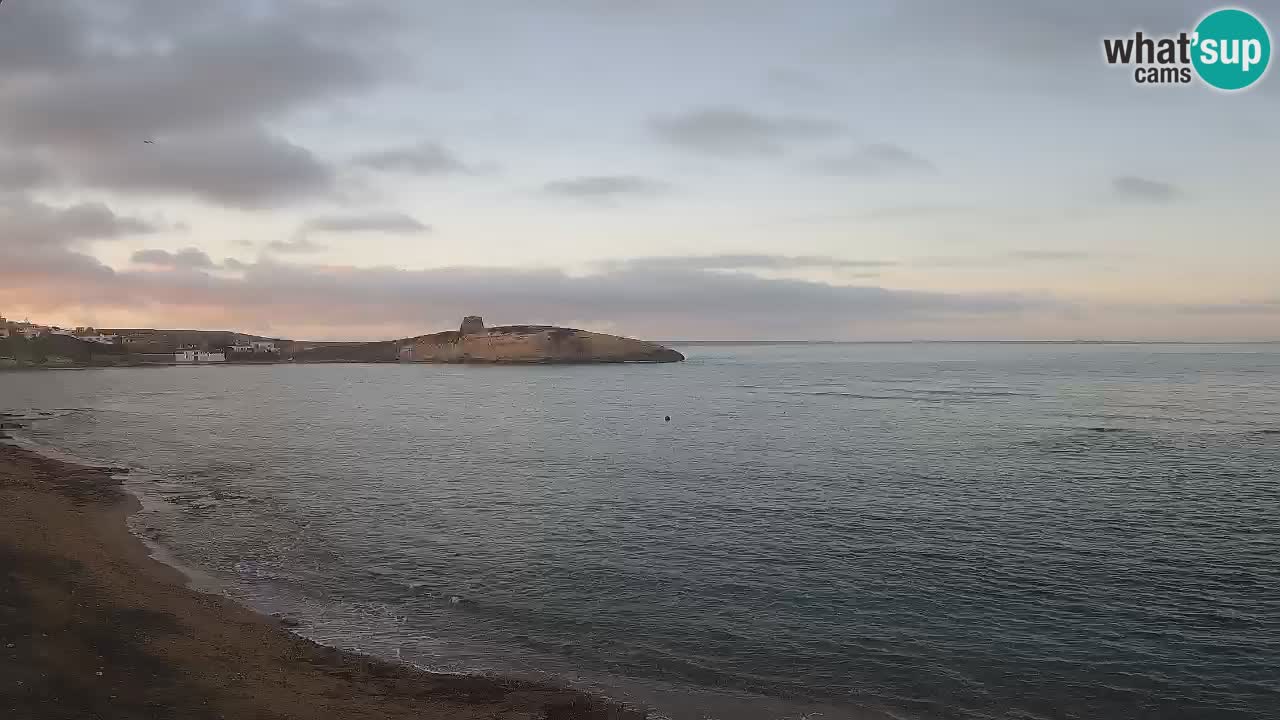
(99,338)
(199,356)
(264,346)
(242,347)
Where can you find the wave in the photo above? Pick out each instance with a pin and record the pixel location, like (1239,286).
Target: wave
(934,396)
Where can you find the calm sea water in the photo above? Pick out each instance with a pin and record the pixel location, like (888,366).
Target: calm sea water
(928,530)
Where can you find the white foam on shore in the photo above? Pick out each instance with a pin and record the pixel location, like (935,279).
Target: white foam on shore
(195,579)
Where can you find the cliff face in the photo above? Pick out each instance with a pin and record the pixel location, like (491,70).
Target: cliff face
(531,344)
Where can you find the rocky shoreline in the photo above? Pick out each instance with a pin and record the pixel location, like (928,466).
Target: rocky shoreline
(92,626)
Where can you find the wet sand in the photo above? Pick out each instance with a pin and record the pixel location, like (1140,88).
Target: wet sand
(92,627)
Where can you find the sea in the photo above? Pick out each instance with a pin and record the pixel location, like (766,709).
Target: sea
(763,532)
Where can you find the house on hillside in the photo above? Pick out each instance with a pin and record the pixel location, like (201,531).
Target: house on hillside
(100,339)
(242,347)
(265,346)
(192,355)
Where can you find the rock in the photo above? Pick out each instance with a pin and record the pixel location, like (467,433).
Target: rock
(529,344)
(472,325)
(286,621)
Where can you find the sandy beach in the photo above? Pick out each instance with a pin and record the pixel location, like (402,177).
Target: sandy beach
(92,627)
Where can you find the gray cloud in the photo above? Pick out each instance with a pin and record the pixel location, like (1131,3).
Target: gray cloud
(296,245)
(245,169)
(185,259)
(1009,258)
(647,300)
(917,212)
(31,226)
(793,81)
(1261,307)
(206,83)
(39,38)
(733,131)
(877,160)
(20,172)
(86,84)
(1014,37)
(1131,188)
(425,158)
(605,186)
(385,222)
(1050,255)
(744,262)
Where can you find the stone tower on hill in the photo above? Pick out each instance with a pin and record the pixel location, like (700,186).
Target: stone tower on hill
(472,325)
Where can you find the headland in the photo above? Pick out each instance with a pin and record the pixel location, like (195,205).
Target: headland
(23,345)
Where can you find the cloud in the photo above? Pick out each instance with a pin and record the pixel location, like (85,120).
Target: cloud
(647,300)
(21,172)
(207,82)
(26,225)
(1050,255)
(878,160)
(425,158)
(733,131)
(743,262)
(185,259)
(1009,258)
(793,81)
(385,222)
(296,245)
(1136,189)
(243,169)
(1260,307)
(39,38)
(605,186)
(1010,39)
(917,212)
(85,85)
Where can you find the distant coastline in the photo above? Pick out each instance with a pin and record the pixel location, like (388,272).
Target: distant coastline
(28,346)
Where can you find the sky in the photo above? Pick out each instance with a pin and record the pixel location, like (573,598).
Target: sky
(721,169)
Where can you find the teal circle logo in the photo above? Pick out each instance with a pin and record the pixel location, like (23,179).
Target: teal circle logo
(1231,49)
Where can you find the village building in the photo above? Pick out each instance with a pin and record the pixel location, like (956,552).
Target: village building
(99,338)
(192,355)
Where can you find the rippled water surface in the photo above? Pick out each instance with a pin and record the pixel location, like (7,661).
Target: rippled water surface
(933,531)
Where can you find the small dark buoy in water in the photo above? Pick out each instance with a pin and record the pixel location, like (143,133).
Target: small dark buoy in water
(668,417)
